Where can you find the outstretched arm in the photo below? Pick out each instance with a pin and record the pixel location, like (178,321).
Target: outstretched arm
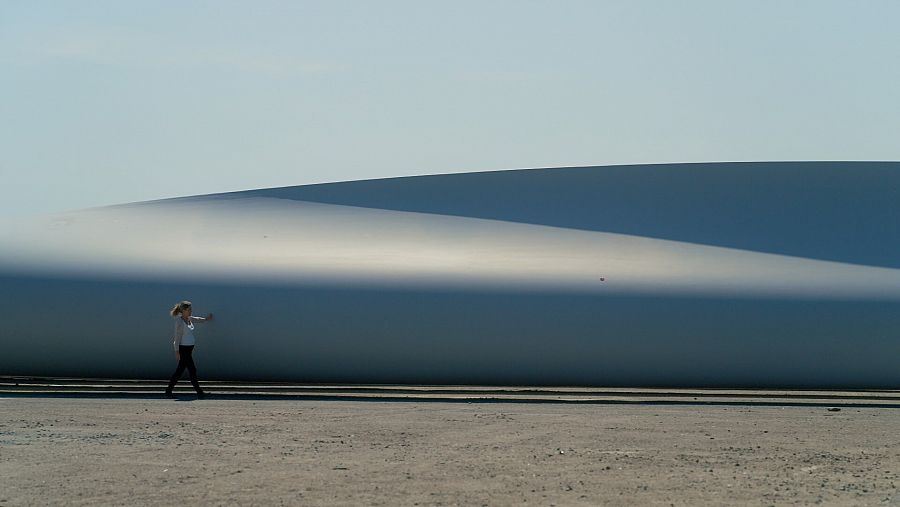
(202,319)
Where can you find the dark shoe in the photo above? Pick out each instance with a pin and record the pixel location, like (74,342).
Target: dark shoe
(201,394)
(169,394)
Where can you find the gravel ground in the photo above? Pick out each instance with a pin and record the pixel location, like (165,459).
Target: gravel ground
(84,451)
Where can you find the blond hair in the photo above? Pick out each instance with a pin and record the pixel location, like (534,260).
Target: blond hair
(179,308)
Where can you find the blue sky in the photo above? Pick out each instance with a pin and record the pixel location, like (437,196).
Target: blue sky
(106,102)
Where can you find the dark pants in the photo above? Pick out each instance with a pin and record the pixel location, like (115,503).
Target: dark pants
(185,361)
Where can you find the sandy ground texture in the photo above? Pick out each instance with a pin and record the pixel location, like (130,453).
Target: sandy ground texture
(84,451)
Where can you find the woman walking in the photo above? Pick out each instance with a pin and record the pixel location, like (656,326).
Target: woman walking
(184,345)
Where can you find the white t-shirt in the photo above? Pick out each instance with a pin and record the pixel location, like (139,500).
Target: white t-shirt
(184,332)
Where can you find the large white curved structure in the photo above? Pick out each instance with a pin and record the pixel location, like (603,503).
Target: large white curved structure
(732,274)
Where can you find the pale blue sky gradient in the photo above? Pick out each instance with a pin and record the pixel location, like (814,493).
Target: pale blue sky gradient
(110,102)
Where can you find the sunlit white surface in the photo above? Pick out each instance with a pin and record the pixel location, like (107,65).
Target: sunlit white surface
(269,239)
